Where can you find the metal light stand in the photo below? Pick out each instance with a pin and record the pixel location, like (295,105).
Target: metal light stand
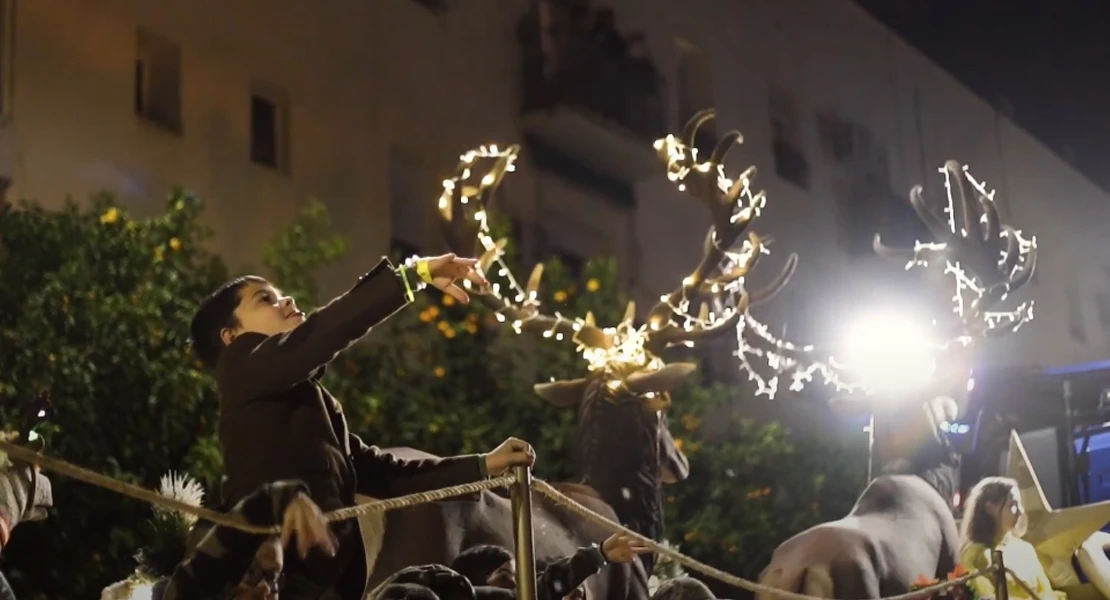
(871,449)
(1001,591)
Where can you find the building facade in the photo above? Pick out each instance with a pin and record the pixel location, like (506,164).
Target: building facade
(259,105)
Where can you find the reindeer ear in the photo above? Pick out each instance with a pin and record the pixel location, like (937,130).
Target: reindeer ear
(662,380)
(563,394)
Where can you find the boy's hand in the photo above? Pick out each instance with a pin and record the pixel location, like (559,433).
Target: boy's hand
(444,270)
(260,591)
(304,519)
(511,453)
(620,548)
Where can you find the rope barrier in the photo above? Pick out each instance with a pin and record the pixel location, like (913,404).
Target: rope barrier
(1021,582)
(694,565)
(136,492)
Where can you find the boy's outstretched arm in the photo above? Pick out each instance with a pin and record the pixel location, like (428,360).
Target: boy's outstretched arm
(382,475)
(256,365)
(561,577)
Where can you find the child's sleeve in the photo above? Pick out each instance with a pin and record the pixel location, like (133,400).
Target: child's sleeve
(255,365)
(383,475)
(976,557)
(223,556)
(561,577)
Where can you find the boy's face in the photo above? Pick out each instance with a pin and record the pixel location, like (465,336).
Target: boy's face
(263,309)
(504,576)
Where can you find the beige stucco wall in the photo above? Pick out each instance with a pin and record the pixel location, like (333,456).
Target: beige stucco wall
(365,78)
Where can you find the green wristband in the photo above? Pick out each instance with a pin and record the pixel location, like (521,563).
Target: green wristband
(402,272)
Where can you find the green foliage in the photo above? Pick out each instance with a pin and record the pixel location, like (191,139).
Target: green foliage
(294,254)
(96,307)
(748,493)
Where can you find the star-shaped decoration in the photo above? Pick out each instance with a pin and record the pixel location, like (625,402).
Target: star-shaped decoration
(1056,533)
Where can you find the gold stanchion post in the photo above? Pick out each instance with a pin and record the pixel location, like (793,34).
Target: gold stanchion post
(1001,591)
(522,532)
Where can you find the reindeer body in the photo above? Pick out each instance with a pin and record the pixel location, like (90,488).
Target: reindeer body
(900,529)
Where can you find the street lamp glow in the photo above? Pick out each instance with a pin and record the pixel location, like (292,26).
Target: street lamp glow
(890,353)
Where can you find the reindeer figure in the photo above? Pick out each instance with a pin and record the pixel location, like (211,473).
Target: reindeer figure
(625,451)
(902,526)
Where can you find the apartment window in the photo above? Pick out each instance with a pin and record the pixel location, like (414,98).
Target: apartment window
(400,250)
(158,80)
(574,263)
(411,200)
(695,92)
(7,54)
(269,121)
(5,185)
(837,136)
(1076,328)
(787,146)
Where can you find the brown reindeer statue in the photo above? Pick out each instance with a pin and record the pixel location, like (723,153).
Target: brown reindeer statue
(902,526)
(624,450)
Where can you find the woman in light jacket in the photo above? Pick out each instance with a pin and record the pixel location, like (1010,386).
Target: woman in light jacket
(994,519)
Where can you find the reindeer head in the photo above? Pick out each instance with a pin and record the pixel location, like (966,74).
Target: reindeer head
(623,400)
(985,261)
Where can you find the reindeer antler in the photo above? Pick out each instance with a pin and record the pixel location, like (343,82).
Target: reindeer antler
(987,259)
(463,209)
(717,283)
(719,277)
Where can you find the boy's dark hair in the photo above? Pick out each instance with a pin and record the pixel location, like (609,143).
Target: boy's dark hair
(479,562)
(216,313)
(485,592)
(405,591)
(683,588)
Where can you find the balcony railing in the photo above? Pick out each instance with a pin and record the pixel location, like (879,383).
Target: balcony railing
(584,90)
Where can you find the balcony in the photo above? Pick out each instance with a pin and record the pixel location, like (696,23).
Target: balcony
(592,101)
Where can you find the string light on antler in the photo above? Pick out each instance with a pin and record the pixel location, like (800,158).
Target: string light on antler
(1012,254)
(985,260)
(734,205)
(617,349)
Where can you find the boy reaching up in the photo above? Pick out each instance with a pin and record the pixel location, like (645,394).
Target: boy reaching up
(278,422)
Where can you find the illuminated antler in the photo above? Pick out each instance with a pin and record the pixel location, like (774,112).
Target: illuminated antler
(717,283)
(719,279)
(987,260)
(463,209)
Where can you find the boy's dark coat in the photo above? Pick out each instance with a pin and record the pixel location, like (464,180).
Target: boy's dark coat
(278,422)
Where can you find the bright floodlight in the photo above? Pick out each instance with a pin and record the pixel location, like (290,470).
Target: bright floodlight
(890,353)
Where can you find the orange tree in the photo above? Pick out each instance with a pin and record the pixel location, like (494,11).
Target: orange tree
(94,306)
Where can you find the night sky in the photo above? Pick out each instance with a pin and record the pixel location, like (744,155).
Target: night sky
(1045,62)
